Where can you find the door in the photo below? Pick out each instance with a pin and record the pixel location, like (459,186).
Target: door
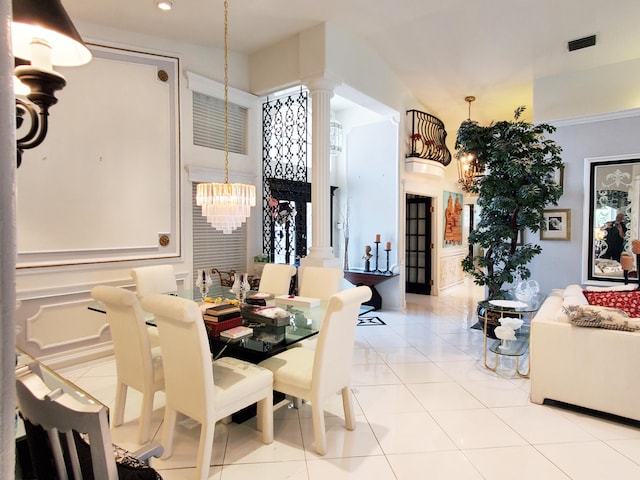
(418,244)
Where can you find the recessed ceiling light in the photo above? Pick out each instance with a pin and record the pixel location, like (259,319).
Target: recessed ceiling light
(164,5)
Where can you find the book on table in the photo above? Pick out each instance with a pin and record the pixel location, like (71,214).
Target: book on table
(222,318)
(222,309)
(236,332)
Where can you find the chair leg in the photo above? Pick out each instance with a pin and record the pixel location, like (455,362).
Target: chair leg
(319,433)
(121,399)
(170,417)
(265,418)
(204,450)
(347,405)
(145,417)
(297,402)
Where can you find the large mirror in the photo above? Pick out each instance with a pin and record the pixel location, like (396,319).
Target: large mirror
(613,188)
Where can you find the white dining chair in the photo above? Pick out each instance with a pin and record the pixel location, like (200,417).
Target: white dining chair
(276,278)
(54,420)
(195,386)
(138,365)
(315,375)
(319,282)
(154,279)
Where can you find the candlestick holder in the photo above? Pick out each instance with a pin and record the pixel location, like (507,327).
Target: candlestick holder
(377,270)
(387,271)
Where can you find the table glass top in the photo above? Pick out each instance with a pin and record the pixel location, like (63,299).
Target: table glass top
(266,339)
(511,304)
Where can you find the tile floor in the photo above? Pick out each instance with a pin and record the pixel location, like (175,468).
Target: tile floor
(426,408)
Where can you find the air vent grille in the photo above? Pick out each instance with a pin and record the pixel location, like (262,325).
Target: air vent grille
(585,42)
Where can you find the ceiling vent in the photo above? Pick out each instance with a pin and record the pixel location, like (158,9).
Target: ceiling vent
(585,42)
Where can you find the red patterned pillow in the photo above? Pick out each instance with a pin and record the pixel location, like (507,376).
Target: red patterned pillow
(626,301)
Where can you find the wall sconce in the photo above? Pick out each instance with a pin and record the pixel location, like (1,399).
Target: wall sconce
(42,34)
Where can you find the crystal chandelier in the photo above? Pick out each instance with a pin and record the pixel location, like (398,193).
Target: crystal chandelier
(226,205)
(470,170)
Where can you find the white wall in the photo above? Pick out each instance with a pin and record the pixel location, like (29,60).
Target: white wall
(560,262)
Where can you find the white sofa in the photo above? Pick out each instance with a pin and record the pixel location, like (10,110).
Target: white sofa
(588,367)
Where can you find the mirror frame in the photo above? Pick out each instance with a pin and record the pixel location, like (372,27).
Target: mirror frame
(588,274)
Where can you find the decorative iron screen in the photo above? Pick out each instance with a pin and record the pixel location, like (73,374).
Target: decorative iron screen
(284,173)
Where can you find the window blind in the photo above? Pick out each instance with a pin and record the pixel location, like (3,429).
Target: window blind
(214,249)
(208,124)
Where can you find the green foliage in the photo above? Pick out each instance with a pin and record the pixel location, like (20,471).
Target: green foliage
(516,188)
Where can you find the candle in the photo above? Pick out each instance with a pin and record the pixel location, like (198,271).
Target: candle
(627,262)
(377,238)
(635,246)
(388,246)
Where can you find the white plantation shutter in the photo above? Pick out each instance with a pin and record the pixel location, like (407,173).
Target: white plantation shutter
(208,124)
(214,249)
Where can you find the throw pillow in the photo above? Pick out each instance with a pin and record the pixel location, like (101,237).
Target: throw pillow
(627,301)
(601,317)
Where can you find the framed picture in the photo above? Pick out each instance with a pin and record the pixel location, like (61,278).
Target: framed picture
(557,225)
(558,176)
(452,219)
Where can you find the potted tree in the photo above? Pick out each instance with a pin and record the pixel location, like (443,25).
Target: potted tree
(517,186)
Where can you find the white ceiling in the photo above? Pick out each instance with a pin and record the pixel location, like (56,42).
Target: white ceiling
(443,50)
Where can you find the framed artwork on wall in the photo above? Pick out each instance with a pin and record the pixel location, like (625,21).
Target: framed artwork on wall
(453,206)
(557,225)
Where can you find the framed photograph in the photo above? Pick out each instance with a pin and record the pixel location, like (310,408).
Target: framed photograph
(557,225)
(558,176)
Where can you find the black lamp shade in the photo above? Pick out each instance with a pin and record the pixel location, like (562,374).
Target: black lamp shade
(47,20)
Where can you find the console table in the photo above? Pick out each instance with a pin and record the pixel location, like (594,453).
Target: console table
(370,279)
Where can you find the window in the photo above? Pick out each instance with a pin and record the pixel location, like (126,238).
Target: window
(212,248)
(208,124)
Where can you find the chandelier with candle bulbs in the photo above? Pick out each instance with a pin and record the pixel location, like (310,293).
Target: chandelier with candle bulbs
(470,170)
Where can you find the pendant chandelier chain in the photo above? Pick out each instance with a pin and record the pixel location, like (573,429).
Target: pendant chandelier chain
(226,91)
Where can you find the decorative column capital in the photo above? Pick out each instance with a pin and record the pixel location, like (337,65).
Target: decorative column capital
(326,83)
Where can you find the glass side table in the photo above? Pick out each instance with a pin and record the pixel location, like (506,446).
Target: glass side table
(518,347)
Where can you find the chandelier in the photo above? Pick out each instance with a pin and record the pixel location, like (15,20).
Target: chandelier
(226,205)
(470,170)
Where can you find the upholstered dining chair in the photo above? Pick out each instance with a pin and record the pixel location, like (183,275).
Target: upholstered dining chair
(276,278)
(319,282)
(137,364)
(51,415)
(195,386)
(154,279)
(315,375)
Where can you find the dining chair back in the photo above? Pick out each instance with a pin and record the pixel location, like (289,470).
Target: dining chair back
(319,282)
(52,415)
(315,375)
(226,278)
(154,279)
(195,386)
(276,278)
(137,364)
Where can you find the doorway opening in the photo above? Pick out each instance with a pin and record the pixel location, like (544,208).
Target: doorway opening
(418,244)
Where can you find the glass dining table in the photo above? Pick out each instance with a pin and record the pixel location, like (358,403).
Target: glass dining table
(266,340)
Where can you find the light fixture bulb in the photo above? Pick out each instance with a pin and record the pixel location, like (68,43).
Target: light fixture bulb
(164,5)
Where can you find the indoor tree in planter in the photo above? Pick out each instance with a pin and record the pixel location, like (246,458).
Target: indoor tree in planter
(517,186)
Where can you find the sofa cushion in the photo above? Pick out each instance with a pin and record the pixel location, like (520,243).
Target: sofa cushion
(601,317)
(572,295)
(627,301)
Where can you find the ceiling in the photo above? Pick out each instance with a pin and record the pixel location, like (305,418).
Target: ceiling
(441,50)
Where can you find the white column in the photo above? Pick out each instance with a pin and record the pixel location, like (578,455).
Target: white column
(8,249)
(320,253)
